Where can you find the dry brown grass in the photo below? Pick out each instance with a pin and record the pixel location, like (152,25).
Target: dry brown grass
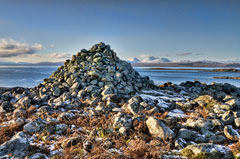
(6,133)
(140,149)
(1,117)
(235,148)
(161,116)
(140,126)
(35,149)
(136,149)
(30,110)
(203,113)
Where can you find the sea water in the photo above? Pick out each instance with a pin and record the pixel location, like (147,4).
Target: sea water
(30,76)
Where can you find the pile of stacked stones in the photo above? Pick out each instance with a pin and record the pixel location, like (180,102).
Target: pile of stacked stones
(91,74)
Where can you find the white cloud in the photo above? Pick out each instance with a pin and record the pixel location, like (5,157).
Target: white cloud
(58,55)
(11,48)
(49,57)
(184,54)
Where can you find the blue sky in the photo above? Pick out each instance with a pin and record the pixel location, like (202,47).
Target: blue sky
(178,30)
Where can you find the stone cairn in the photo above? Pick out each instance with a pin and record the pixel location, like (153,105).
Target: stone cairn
(91,74)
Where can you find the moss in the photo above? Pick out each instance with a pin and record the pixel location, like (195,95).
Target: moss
(209,102)
(187,153)
(103,133)
(78,151)
(201,155)
(56,157)
(237,156)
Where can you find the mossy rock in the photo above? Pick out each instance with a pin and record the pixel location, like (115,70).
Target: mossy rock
(186,152)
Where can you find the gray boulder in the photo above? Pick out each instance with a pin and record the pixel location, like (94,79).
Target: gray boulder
(207,151)
(17,146)
(34,126)
(158,129)
(191,135)
(231,133)
(199,123)
(25,102)
(228,117)
(122,121)
(6,106)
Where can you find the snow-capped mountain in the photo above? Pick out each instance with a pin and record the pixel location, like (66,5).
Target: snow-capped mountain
(148,59)
(134,60)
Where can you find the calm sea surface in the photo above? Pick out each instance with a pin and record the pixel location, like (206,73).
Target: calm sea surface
(30,76)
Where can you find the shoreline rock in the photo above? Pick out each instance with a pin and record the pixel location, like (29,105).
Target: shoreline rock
(228,77)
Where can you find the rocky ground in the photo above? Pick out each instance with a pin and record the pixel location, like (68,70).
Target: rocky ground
(98,106)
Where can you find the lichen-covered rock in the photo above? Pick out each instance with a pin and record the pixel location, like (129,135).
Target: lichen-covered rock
(25,102)
(70,142)
(66,116)
(231,133)
(199,123)
(207,151)
(158,129)
(228,117)
(6,106)
(56,92)
(19,113)
(232,101)
(17,146)
(205,101)
(237,122)
(187,134)
(38,156)
(191,135)
(218,139)
(61,129)
(107,90)
(122,122)
(16,122)
(180,143)
(34,126)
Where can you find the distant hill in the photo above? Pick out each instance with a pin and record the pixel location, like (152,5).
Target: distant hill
(134,60)
(31,64)
(187,64)
(148,59)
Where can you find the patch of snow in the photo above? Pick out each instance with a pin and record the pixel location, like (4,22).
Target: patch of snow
(54,152)
(177,113)
(150,98)
(115,150)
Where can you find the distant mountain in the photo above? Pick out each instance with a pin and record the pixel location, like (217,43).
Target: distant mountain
(153,59)
(188,64)
(148,59)
(201,61)
(232,61)
(134,60)
(165,60)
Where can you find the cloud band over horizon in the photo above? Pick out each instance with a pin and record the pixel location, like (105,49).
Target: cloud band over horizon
(16,51)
